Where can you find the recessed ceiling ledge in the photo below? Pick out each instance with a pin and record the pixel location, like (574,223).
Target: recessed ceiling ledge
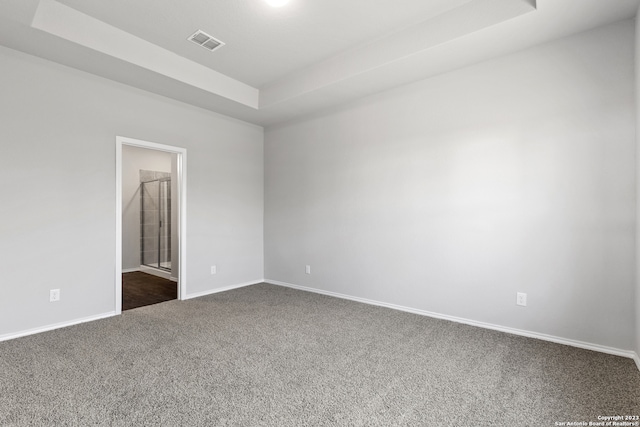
(69,24)
(394,50)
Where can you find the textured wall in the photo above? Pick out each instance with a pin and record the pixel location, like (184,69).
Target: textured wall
(58,168)
(637,253)
(452,194)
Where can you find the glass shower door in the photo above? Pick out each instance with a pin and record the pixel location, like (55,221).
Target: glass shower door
(164,251)
(155,223)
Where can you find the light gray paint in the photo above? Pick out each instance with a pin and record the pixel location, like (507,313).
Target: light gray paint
(58,168)
(133,160)
(452,194)
(637,248)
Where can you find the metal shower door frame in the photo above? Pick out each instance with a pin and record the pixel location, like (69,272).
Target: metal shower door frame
(160,221)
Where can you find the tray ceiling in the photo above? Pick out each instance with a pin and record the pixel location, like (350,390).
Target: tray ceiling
(281,63)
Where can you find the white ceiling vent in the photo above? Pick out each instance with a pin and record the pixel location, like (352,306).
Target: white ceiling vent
(205,40)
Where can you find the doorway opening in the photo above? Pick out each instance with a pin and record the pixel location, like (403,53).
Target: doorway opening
(150,223)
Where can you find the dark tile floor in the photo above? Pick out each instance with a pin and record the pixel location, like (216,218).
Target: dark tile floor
(140,289)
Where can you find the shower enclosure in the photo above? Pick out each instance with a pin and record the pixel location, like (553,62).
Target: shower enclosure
(155,223)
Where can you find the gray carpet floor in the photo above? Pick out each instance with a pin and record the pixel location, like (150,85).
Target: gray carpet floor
(270,356)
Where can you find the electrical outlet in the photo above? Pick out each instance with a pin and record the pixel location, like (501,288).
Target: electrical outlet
(521,299)
(307,269)
(214,269)
(54,295)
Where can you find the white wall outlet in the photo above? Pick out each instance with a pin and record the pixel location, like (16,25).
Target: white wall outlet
(521,299)
(54,295)
(307,269)
(214,269)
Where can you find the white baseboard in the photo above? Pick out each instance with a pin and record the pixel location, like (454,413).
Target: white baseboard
(53,326)
(226,288)
(152,271)
(544,337)
(580,344)
(156,272)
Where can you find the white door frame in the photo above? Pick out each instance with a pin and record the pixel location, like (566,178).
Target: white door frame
(182,212)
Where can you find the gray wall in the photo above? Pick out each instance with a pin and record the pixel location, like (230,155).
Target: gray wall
(58,172)
(448,195)
(452,194)
(133,160)
(637,296)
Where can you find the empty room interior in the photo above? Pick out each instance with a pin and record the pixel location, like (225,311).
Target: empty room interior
(409,212)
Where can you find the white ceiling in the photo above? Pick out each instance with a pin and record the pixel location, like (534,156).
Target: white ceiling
(278,64)
(262,43)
